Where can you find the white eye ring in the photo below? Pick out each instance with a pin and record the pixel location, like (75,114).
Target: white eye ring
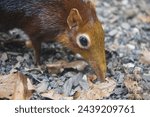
(83,41)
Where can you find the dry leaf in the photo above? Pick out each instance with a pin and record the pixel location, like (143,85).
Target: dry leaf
(20,90)
(14,86)
(30,86)
(57,67)
(145,58)
(145,19)
(97,91)
(55,96)
(78,65)
(137,73)
(38,69)
(133,88)
(7,86)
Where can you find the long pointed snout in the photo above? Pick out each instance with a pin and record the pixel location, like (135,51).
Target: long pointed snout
(100,70)
(98,63)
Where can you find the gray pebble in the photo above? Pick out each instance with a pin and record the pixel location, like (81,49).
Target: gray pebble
(113,33)
(53,84)
(4,57)
(20,59)
(146,77)
(125,26)
(130,13)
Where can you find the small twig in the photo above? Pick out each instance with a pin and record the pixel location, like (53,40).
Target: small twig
(34,69)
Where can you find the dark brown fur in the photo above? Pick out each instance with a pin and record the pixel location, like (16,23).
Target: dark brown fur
(41,19)
(48,20)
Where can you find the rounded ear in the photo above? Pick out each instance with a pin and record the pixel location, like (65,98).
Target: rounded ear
(74,18)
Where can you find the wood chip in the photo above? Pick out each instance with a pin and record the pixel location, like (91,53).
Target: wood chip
(133,87)
(145,58)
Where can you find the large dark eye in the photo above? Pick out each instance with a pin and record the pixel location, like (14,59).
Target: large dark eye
(83,41)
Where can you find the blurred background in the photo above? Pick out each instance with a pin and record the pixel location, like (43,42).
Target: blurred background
(127,30)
